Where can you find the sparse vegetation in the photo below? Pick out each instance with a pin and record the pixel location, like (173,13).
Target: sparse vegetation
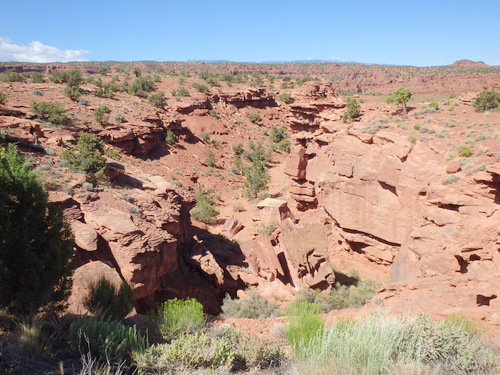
(106,300)
(170,138)
(100,114)
(352,111)
(141,86)
(49,111)
(254,306)
(119,118)
(254,117)
(200,87)
(286,97)
(400,96)
(204,211)
(73,92)
(3,98)
(257,179)
(465,151)
(486,100)
(87,158)
(175,318)
(105,338)
(158,99)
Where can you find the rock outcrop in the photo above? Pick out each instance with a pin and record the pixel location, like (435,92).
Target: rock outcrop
(391,203)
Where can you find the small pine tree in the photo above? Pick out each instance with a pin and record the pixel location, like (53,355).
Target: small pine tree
(257,179)
(89,157)
(36,246)
(352,112)
(73,92)
(100,114)
(170,138)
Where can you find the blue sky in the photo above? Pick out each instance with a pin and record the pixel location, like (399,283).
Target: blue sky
(420,33)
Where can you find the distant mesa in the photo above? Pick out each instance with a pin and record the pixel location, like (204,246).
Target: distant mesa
(470,63)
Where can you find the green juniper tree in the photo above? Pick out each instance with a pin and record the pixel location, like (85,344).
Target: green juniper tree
(400,96)
(36,246)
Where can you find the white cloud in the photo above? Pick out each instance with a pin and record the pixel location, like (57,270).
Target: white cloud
(38,53)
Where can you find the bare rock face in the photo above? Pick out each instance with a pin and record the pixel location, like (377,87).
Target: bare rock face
(142,241)
(135,139)
(389,204)
(250,97)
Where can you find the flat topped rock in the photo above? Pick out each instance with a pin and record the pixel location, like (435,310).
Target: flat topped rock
(271,202)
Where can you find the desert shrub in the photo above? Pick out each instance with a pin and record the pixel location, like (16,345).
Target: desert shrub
(185,353)
(486,100)
(113,154)
(377,343)
(11,76)
(176,317)
(104,338)
(257,179)
(469,325)
(83,101)
(119,118)
(341,296)
(100,114)
(3,98)
(107,90)
(434,105)
(88,186)
(170,138)
(254,306)
(205,136)
(203,210)
(73,92)
(35,237)
(304,325)
(201,88)
(141,86)
(105,299)
(352,111)
(210,160)
(158,99)
(87,158)
(449,179)
(286,97)
(284,145)
(37,77)
(251,352)
(181,91)
(257,153)
(277,134)
(136,71)
(49,111)
(465,151)
(238,149)
(70,77)
(213,113)
(254,117)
